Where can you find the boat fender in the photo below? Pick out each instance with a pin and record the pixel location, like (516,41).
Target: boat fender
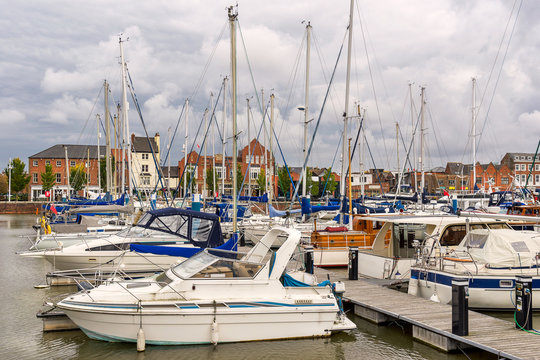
(215,332)
(141,343)
(435,298)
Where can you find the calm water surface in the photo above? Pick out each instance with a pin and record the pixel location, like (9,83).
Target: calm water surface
(21,335)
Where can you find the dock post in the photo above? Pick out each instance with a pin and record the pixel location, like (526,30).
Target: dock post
(353,263)
(524,319)
(242,238)
(308,259)
(460,307)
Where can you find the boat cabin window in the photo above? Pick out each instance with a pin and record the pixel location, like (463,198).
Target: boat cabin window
(453,234)
(205,265)
(498,225)
(125,246)
(201,229)
(403,236)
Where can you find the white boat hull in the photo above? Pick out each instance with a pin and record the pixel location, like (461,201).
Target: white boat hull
(193,326)
(485,292)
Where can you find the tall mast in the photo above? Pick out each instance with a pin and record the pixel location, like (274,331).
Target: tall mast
(67,172)
(169,158)
(415,180)
(422,182)
(232,21)
(205,156)
(271,172)
(127,137)
(98,155)
(186,150)
(346,111)
(398,170)
(473,111)
(224,140)
(107,137)
(306,106)
(213,149)
(249,150)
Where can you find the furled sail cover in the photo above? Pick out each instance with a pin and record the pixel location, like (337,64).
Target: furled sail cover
(200,228)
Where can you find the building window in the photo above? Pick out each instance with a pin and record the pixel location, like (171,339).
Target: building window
(529,157)
(537,179)
(88,178)
(537,167)
(58,178)
(530,167)
(440,182)
(58,163)
(479,180)
(516,158)
(504,180)
(47,162)
(517,167)
(451,182)
(144,168)
(146,180)
(522,157)
(35,178)
(72,163)
(145,156)
(254,173)
(218,172)
(522,167)
(523,178)
(34,163)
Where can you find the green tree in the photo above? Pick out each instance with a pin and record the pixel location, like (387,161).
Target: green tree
(19,177)
(261,181)
(314,189)
(103,172)
(77,177)
(210,175)
(284,181)
(3,184)
(239,178)
(332,183)
(48,178)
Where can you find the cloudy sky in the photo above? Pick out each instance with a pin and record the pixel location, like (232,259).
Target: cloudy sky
(56,54)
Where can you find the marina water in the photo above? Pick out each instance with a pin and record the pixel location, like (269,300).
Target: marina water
(21,335)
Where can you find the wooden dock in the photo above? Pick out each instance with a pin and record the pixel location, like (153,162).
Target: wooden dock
(431,322)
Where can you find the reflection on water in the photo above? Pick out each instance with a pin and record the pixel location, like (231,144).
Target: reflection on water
(21,335)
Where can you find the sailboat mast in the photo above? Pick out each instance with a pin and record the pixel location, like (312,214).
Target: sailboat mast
(232,21)
(98,120)
(473,111)
(346,111)
(186,150)
(249,149)
(107,137)
(271,172)
(213,149)
(205,157)
(169,159)
(415,180)
(306,104)
(224,140)
(422,184)
(125,108)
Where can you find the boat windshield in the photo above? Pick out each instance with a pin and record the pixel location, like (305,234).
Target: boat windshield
(207,264)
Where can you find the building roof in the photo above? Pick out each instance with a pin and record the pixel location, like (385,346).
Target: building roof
(174,171)
(73,152)
(140,144)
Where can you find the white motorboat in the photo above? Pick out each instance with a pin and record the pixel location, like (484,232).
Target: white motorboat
(490,260)
(393,260)
(212,297)
(190,230)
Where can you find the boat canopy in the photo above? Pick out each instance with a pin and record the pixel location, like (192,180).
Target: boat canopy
(501,248)
(200,228)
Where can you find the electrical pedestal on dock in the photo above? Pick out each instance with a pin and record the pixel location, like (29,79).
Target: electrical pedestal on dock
(460,307)
(353,263)
(524,312)
(308,259)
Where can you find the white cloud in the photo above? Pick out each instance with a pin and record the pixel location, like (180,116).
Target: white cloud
(11,117)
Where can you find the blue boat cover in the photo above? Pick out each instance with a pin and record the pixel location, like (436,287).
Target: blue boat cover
(178,251)
(273,212)
(200,228)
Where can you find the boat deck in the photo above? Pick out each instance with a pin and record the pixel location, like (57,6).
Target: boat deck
(431,322)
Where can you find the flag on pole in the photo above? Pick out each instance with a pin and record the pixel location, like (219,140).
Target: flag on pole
(53,209)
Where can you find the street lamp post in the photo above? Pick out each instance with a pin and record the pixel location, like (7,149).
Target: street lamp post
(10,166)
